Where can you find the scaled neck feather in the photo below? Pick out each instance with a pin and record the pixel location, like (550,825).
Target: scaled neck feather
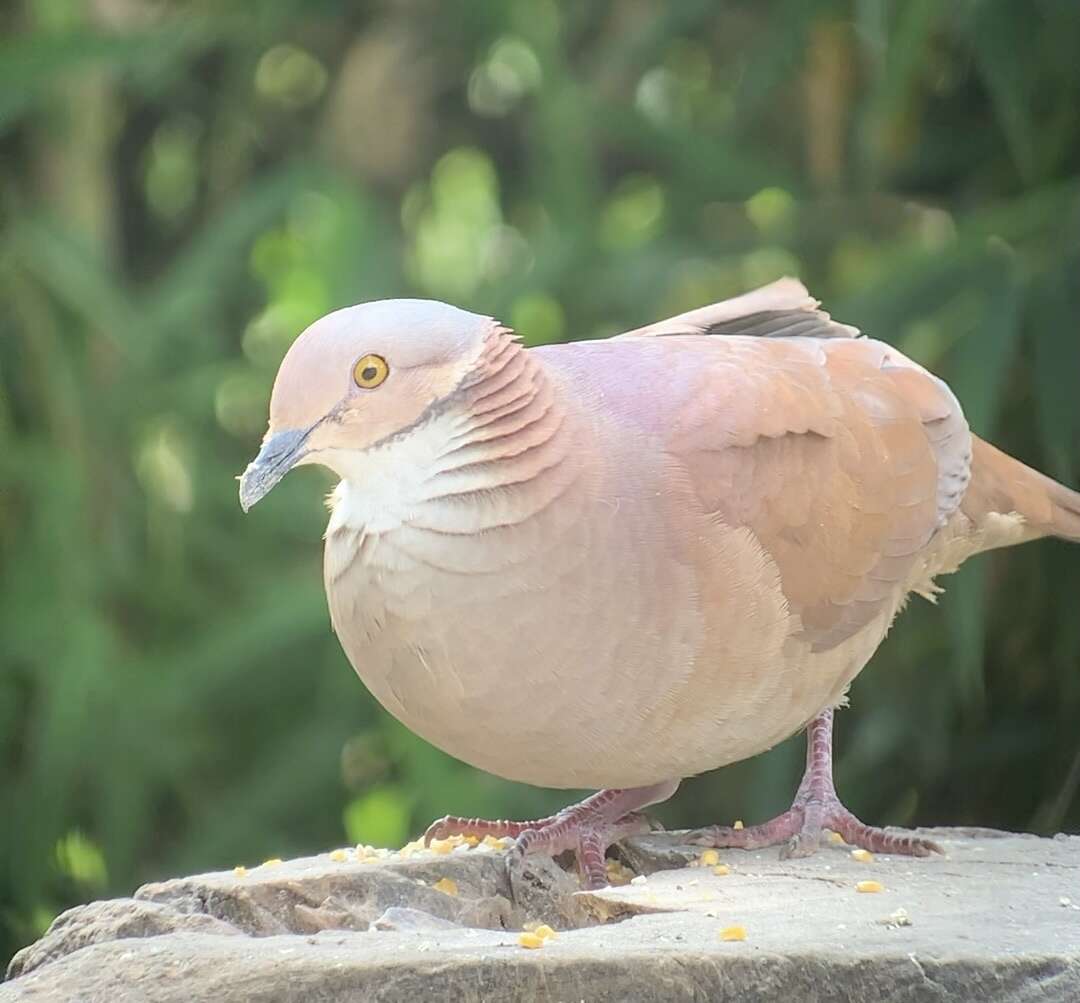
(493,436)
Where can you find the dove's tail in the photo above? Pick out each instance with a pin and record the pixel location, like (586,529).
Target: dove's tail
(1002,488)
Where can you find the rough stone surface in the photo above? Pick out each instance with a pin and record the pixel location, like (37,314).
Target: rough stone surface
(997,918)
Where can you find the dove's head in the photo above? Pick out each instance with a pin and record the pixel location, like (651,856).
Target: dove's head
(360,377)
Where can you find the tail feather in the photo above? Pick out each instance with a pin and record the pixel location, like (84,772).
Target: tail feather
(1066,512)
(1003,487)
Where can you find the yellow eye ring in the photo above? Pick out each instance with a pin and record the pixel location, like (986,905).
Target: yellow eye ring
(370,371)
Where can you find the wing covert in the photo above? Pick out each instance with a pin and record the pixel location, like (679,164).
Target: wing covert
(842,456)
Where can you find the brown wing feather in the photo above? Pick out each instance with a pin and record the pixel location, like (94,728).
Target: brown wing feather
(782,309)
(833,453)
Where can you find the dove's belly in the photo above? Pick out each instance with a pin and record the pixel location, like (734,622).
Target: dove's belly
(588,652)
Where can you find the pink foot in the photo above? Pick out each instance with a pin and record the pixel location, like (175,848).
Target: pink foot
(588,828)
(815,808)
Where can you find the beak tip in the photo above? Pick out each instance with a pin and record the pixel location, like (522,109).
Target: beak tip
(251,488)
(278,455)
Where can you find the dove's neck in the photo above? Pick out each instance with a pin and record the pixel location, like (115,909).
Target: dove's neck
(473,464)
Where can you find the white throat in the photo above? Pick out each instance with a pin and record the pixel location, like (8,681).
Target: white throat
(381,488)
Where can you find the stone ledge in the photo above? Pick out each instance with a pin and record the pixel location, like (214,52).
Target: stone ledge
(997,918)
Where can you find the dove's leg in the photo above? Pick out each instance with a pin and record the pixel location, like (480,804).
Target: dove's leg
(588,827)
(815,808)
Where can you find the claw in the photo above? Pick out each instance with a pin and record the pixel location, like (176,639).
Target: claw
(816,808)
(588,828)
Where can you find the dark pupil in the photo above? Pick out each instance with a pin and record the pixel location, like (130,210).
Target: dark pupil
(369,373)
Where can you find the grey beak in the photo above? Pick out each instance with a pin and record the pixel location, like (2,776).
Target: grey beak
(279,454)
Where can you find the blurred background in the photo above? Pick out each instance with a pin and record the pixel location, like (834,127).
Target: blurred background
(185,186)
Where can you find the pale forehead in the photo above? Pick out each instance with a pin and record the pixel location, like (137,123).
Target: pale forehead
(415,332)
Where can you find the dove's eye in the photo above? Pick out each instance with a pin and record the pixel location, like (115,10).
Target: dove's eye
(370,371)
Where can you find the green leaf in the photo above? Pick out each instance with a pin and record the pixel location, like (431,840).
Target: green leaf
(379,818)
(79,276)
(1003,37)
(81,860)
(199,277)
(983,355)
(1053,307)
(32,64)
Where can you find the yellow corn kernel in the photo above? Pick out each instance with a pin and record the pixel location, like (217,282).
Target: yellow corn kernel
(869,886)
(240,871)
(530,940)
(448,886)
(737,826)
(272,862)
(862,856)
(835,838)
(721,869)
(441,846)
(544,932)
(708,858)
(472,840)
(733,933)
(339,856)
(415,846)
(492,842)
(617,873)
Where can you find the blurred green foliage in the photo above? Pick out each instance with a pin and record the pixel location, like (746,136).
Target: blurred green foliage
(185,186)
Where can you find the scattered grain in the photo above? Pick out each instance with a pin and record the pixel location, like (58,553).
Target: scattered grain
(897,918)
(448,886)
(617,873)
